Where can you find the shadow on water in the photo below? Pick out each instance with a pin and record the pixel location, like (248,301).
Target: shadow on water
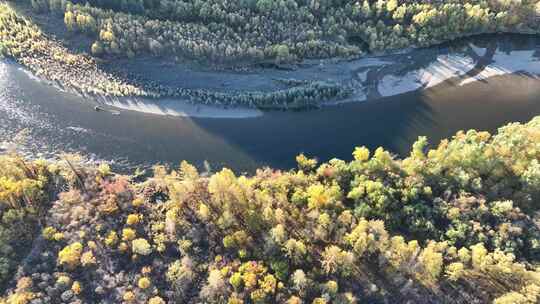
(393,123)
(277,137)
(66,122)
(396,122)
(63,121)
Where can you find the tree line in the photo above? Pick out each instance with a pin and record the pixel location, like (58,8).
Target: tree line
(286,30)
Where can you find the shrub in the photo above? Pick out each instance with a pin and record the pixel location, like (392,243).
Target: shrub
(156,300)
(133,219)
(144,283)
(128,234)
(141,246)
(70,256)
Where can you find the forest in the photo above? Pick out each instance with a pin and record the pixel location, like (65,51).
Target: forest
(451,222)
(284,31)
(455,222)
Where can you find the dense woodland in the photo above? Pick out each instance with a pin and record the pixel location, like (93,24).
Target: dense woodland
(285,30)
(453,223)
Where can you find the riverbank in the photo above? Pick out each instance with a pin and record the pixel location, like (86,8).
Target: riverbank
(48,59)
(312,84)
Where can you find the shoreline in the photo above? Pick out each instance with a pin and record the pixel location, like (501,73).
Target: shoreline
(392,78)
(48,59)
(68,122)
(165,107)
(396,78)
(333,81)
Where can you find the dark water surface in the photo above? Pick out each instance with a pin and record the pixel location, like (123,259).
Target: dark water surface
(56,120)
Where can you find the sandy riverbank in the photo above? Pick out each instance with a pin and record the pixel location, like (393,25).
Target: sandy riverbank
(367,78)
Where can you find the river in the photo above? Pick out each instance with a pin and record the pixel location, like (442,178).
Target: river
(499,86)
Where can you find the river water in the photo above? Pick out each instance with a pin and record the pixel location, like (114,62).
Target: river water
(485,98)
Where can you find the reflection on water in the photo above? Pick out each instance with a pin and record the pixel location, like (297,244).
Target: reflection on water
(61,121)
